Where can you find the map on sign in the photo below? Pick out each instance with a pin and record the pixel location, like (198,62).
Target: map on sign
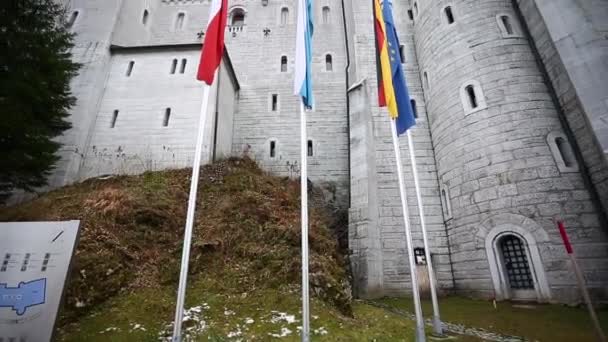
(23,296)
(34,263)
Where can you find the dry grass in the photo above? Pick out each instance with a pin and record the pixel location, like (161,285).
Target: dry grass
(247,234)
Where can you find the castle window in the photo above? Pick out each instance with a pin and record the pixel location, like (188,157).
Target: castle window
(167,117)
(445,201)
(449,16)
(179,22)
(283,63)
(565,151)
(425,77)
(274,102)
(284,15)
(328,63)
(410,14)
(114,118)
(471,94)
(507,24)
(144,18)
(130,68)
(508,27)
(414,109)
(562,152)
(273,148)
(472,97)
(173,66)
(182,68)
(416,9)
(309,149)
(70,23)
(238,17)
(402,53)
(326,17)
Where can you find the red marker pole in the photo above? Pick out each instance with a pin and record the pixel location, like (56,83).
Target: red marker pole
(581,281)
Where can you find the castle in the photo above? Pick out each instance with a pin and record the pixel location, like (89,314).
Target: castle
(512,125)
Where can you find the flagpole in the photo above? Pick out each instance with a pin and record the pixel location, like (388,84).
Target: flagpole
(183,276)
(304,197)
(429,264)
(420,336)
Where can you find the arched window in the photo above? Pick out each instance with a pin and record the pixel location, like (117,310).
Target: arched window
(472,97)
(130,68)
(273,149)
(425,77)
(402,53)
(283,63)
(507,25)
(326,18)
(173,66)
(414,109)
(70,23)
(562,152)
(167,117)
(179,22)
(144,17)
(274,102)
(114,118)
(449,16)
(182,68)
(238,17)
(309,149)
(565,151)
(328,63)
(284,15)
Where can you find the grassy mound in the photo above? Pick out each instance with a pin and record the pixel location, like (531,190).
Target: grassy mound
(247,235)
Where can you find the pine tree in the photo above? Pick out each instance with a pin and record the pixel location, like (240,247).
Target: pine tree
(35,73)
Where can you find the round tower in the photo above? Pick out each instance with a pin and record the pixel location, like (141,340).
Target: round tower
(504,162)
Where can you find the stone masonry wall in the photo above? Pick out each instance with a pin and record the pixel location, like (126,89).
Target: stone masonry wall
(495,160)
(93,29)
(257,61)
(394,257)
(584,49)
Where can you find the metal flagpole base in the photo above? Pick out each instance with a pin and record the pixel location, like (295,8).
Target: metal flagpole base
(437,329)
(420,336)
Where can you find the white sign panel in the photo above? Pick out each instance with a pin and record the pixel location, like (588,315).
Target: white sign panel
(34,262)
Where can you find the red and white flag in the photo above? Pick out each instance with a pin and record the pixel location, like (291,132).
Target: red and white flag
(213,46)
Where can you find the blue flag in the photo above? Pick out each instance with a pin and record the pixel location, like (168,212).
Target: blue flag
(303,62)
(406,118)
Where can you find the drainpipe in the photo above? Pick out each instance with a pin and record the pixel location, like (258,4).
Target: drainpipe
(347,99)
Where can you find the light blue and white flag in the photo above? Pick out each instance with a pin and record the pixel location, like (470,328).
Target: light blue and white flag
(303,74)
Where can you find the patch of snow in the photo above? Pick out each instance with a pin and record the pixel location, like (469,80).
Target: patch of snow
(109,329)
(320,331)
(249,320)
(193,324)
(80,304)
(136,326)
(282,316)
(284,332)
(235,333)
(228,312)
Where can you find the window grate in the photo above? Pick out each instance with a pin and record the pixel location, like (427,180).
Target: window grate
(516,263)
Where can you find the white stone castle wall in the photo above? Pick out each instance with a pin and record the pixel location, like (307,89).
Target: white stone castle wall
(391,262)
(139,142)
(496,161)
(257,61)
